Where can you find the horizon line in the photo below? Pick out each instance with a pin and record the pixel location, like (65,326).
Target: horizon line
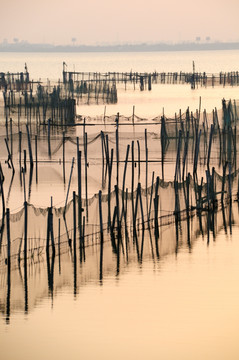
(126,47)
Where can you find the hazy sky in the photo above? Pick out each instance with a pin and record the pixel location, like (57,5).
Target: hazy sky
(108,21)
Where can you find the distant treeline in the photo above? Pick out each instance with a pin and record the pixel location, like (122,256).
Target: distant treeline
(192,46)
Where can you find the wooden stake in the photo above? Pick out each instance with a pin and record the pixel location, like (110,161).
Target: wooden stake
(79,189)
(124,177)
(69,184)
(8,239)
(25,229)
(138,159)
(29,146)
(86,180)
(101,236)
(49,138)
(36,158)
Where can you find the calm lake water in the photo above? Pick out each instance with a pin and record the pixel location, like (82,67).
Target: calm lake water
(175,297)
(50,66)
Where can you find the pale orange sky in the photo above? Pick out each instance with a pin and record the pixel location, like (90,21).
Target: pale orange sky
(107,21)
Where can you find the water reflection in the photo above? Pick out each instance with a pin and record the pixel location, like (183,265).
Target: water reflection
(8,301)
(111,257)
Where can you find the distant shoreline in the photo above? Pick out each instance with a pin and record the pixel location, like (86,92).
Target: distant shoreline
(26,47)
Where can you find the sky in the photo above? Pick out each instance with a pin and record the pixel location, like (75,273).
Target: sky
(126,21)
